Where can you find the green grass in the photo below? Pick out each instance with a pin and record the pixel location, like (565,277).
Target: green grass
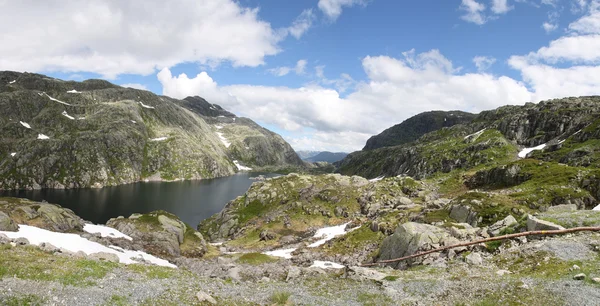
(24,300)
(29,262)
(391,278)
(354,241)
(117,300)
(280,298)
(256,259)
(374,299)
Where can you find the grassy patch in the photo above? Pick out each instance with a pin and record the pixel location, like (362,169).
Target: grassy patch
(352,242)
(117,300)
(31,263)
(256,259)
(152,272)
(391,278)
(281,298)
(374,299)
(24,300)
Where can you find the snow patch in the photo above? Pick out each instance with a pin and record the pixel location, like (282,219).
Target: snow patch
(56,100)
(146,106)
(13,154)
(218,127)
(377,179)
(74,91)
(240,167)
(104,231)
(81,118)
(12,82)
(475,135)
(42,136)
(326,265)
(159,139)
(64,113)
(328,233)
(75,243)
(221,116)
(224,140)
(526,151)
(597,208)
(283,253)
(216,243)
(25,124)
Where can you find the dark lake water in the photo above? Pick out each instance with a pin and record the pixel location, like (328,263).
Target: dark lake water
(191,201)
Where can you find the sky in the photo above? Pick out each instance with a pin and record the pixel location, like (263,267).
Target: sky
(325,74)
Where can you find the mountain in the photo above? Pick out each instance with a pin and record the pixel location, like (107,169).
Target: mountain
(307,154)
(414,127)
(325,156)
(66,134)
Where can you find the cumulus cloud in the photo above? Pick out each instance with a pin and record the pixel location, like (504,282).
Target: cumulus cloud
(474,12)
(333,8)
(299,69)
(483,63)
(116,37)
(501,6)
(549,27)
(135,86)
(396,89)
(302,24)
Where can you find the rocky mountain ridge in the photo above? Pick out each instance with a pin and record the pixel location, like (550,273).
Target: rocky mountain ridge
(66,134)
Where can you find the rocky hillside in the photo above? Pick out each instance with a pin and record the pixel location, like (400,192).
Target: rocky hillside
(66,134)
(329,157)
(416,126)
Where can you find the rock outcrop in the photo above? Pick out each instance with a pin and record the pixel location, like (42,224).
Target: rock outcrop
(43,215)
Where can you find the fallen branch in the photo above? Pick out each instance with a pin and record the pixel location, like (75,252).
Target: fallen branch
(552,232)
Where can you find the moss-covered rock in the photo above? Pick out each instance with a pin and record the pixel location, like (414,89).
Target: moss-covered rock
(43,215)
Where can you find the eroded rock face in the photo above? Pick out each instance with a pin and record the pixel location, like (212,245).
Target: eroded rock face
(43,215)
(411,238)
(535,224)
(6,223)
(162,234)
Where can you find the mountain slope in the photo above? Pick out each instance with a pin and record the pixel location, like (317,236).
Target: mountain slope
(59,134)
(414,127)
(325,156)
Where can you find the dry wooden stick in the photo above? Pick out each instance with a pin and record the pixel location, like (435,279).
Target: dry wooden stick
(552,232)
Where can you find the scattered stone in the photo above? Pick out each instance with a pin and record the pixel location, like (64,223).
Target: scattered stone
(102,256)
(4,239)
(474,259)
(234,274)
(293,273)
(502,272)
(21,241)
(523,286)
(563,208)
(596,280)
(204,297)
(575,268)
(7,224)
(410,238)
(535,224)
(501,225)
(463,214)
(362,273)
(266,235)
(580,276)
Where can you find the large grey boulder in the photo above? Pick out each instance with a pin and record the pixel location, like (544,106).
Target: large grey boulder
(535,224)
(7,224)
(43,215)
(501,225)
(463,214)
(410,238)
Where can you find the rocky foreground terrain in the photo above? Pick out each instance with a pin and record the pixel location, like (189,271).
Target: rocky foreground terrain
(66,134)
(316,239)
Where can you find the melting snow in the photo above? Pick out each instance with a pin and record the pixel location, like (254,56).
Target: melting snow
(328,233)
(76,243)
(13,154)
(526,151)
(220,116)
(146,106)
(81,118)
(216,243)
(56,100)
(42,136)
(73,91)
(379,178)
(233,119)
(133,121)
(64,113)
(240,167)
(218,127)
(12,82)
(596,208)
(284,253)
(104,231)
(476,134)
(159,139)
(25,124)
(326,265)
(223,140)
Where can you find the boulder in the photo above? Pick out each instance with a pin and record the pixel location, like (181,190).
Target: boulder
(4,239)
(205,297)
(562,208)
(293,273)
(362,273)
(501,225)
(535,224)
(463,214)
(410,238)
(474,259)
(7,224)
(265,235)
(43,215)
(103,256)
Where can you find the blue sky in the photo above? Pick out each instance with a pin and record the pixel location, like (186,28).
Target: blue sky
(325,74)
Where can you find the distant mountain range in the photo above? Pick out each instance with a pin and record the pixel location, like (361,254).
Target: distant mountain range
(321,156)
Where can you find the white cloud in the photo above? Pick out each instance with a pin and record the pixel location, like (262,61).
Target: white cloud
(135,86)
(302,23)
(501,6)
(589,24)
(474,11)
(341,84)
(299,69)
(549,27)
(115,37)
(483,63)
(397,88)
(333,8)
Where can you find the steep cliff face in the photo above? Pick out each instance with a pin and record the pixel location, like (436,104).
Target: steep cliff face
(414,127)
(567,128)
(59,134)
